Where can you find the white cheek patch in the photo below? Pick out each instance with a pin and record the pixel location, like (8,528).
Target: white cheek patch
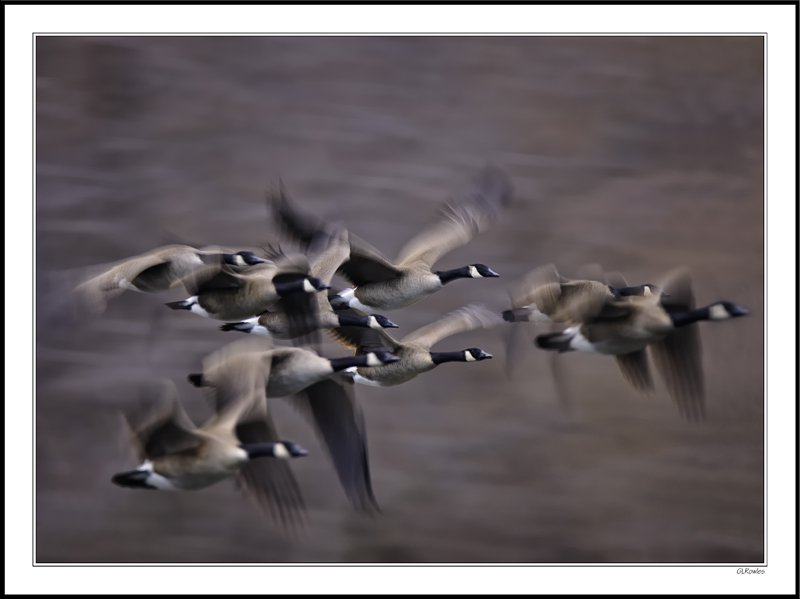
(308,287)
(469,357)
(239,260)
(372,360)
(718,312)
(373,323)
(474,273)
(647,292)
(281,452)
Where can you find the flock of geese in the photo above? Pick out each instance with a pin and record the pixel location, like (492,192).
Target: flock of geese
(269,294)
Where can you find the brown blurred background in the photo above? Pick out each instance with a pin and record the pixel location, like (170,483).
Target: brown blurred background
(637,153)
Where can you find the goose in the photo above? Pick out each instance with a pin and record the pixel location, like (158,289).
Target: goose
(544,296)
(414,350)
(327,252)
(625,327)
(222,293)
(322,393)
(177,456)
(380,284)
(156,271)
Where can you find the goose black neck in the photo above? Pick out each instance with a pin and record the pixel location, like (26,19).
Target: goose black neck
(680,319)
(285,288)
(339,364)
(259,450)
(445,276)
(626,291)
(440,357)
(350,320)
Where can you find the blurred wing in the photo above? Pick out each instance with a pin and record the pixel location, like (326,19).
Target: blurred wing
(472,212)
(678,356)
(468,318)
(362,339)
(269,482)
(236,375)
(300,226)
(615,279)
(158,424)
(517,342)
(327,253)
(635,370)
(366,264)
(541,286)
(592,272)
(339,422)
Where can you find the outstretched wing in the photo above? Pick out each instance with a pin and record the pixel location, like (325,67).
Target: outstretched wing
(362,339)
(468,318)
(635,370)
(678,356)
(366,264)
(472,212)
(338,420)
(158,424)
(269,482)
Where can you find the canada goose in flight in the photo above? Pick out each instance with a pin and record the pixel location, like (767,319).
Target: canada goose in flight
(222,293)
(156,271)
(625,327)
(323,396)
(327,251)
(176,455)
(414,349)
(544,296)
(379,283)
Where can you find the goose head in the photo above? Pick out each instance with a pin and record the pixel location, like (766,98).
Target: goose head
(243,258)
(288,449)
(381,322)
(474,354)
(313,284)
(478,271)
(724,310)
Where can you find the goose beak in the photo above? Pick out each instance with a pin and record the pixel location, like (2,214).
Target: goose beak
(739,311)
(323,286)
(665,294)
(491,273)
(390,325)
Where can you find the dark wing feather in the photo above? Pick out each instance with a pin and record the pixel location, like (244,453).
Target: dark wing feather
(300,226)
(158,423)
(339,422)
(269,482)
(635,370)
(366,264)
(362,339)
(678,356)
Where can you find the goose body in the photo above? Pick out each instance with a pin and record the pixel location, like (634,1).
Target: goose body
(327,252)
(324,397)
(544,296)
(625,327)
(222,293)
(177,456)
(383,284)
(414,350)
(157,271)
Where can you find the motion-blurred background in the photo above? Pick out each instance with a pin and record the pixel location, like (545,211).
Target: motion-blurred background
(637,153)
